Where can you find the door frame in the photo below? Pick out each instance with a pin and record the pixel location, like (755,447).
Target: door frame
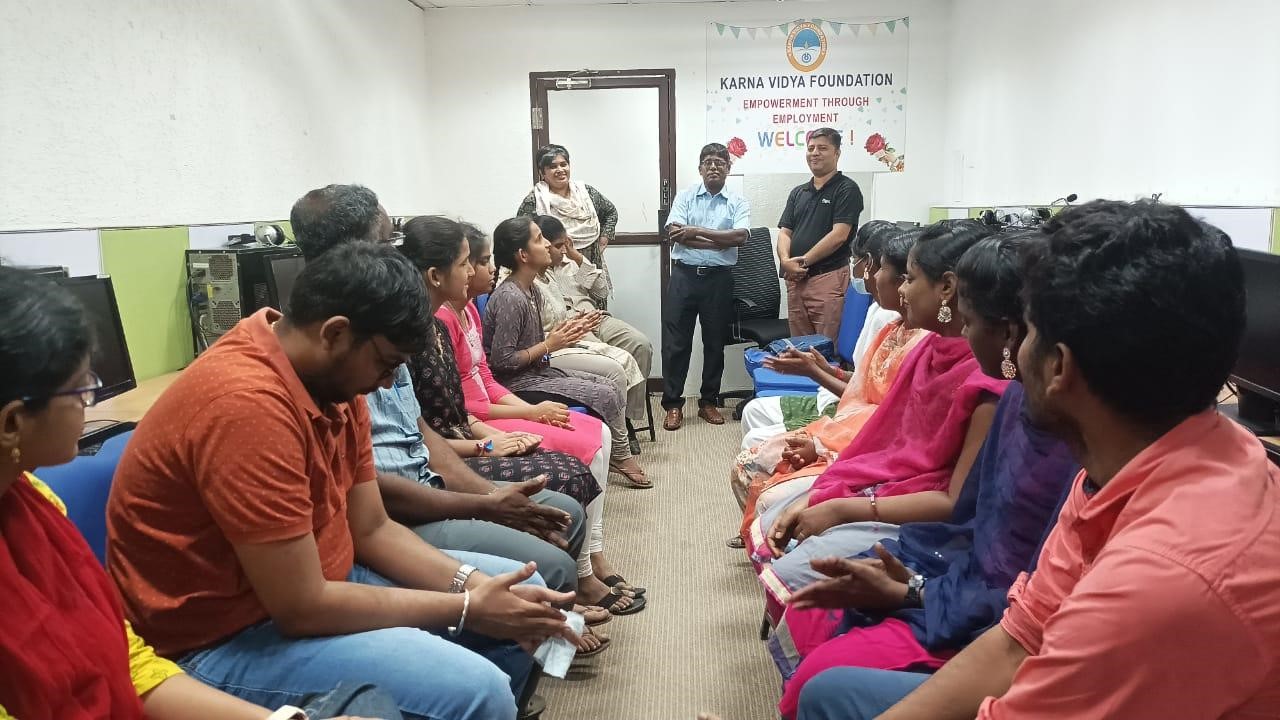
(542,83)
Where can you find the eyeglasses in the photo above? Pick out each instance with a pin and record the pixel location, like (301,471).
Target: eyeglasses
(88,394)
(714,164)
(388,366)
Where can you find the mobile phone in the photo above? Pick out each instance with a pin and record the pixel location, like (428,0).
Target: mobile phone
(790,345)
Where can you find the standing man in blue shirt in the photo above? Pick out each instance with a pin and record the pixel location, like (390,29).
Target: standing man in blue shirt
(706,226)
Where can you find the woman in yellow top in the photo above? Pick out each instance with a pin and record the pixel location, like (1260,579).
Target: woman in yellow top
(66,651)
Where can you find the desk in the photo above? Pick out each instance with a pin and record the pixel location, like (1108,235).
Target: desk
(1227,406)
(129,406)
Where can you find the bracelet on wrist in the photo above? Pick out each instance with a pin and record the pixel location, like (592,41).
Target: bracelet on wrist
(288,712)
(875,511)
(456,630)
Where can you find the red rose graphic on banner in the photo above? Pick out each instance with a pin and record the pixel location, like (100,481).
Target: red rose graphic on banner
(879,148)
(737,147)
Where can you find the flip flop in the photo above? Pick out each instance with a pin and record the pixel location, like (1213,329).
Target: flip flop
(637,481)
(637,603)
(614,581)
(593,615)
(736,542)
(604,645)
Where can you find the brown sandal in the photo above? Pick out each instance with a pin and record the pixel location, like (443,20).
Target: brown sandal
(593,614)
(603,640)
(634,478)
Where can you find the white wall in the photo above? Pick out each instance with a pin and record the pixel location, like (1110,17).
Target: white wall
(482,92)
(1114,99)
(149,112)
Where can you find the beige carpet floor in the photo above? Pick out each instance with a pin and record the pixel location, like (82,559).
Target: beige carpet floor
(696,646)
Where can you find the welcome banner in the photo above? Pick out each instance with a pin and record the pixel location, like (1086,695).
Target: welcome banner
(768,87)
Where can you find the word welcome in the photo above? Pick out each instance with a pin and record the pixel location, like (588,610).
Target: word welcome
(791,138)
(780,82)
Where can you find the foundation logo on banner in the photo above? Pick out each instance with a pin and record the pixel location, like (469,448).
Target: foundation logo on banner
(806,47)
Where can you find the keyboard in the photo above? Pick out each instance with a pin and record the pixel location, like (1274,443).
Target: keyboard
(92,441)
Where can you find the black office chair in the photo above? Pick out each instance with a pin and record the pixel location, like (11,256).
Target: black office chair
(756,300)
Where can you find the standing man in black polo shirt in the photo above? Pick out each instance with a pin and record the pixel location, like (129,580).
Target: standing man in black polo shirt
(816,231)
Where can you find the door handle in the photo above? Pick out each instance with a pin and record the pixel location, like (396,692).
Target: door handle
(666,193)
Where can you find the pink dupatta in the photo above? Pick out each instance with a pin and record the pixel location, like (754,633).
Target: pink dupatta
(911,442)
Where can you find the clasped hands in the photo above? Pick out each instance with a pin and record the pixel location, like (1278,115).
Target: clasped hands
(799,521)
(878,583)
(513,505)
(572,330)
(795,362)
(503,608)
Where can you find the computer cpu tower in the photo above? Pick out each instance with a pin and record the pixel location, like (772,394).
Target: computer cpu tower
(225,286)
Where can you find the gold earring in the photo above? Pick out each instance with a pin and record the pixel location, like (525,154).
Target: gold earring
(15,455)
(944,314)
(1007,368)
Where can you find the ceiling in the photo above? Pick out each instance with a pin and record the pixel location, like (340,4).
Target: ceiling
(542,3)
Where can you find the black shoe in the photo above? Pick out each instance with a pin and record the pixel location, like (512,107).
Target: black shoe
(534,708)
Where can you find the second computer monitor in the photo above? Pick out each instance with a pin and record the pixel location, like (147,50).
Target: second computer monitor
(282,272)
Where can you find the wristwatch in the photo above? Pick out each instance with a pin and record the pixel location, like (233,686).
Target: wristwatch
(915,584)
(484,447)
(460,578)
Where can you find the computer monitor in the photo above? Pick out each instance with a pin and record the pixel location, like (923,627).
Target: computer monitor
(282,271)
(1257,370)
(110,357)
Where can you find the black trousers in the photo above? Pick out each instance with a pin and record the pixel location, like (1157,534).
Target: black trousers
(691,297)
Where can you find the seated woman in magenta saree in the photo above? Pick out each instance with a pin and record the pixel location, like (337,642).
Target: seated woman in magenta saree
(773,462)
(910,461)
(1007,506)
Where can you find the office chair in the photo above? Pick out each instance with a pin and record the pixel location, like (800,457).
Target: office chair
(756,300)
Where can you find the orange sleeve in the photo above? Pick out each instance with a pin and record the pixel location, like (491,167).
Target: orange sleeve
(1141,637)
(250,462)
(365,469)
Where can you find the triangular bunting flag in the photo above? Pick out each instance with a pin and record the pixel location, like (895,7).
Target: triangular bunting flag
(837,27)
(893,24)
(720,28)
(873,28)
(736,30)
(906,22)
(768,32)
(752,32)
(783,28)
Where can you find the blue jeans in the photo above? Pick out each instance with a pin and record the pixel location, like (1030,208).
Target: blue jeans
(854,693)
(429,675)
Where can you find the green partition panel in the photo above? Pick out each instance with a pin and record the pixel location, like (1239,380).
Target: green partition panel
(1275,231)
(147,267)
(936,214)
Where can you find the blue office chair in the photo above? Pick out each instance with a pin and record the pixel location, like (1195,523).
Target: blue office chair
(84,484)
(772,383)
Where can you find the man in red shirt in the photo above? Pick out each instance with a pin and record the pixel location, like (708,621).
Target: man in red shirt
(250,543)
(1157,594)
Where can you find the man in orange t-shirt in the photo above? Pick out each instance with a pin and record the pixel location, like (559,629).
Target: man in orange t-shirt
(1156,595)
(251,546)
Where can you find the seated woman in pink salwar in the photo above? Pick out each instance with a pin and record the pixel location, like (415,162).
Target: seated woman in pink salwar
(574,433)
(909,462)
(578,434)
